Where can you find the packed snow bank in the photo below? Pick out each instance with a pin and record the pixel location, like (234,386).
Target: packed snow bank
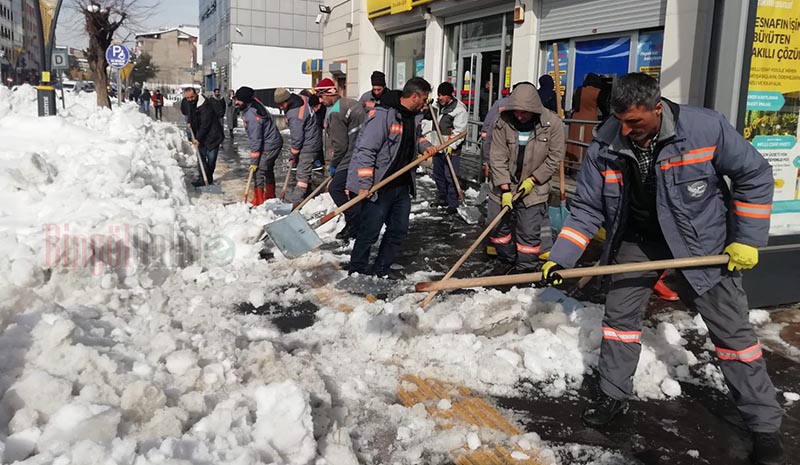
(121,343)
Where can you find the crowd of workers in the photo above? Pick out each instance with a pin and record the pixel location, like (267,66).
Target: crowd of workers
(652,177)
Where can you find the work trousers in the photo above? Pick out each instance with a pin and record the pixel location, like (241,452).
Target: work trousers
(265,174)
(445,186)
(158,112)
(392,208)
(340,195)
(523,242)
(725,312)
(305,165)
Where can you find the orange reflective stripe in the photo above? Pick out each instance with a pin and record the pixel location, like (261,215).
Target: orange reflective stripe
(254,154)
(396,128)
(612,176)
(501,240)
(372,113)
(745,355)
(365,172)
(752,210)
(528,249)
(302,184)
(302,112)
(575,237)
(691,157)
(628,337)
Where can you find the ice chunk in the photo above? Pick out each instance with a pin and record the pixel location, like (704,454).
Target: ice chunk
(759,317)
(284,422)
(79,421)
(473,441)
(670,388)
(40,391)
(791,397)
(141,399)
(20,445)
(180,362)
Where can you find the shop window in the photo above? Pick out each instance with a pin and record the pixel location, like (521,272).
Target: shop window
(408,57)
(649,52)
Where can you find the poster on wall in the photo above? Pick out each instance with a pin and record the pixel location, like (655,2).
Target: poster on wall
(563,63)
(773,106)
(649,52)
(400,75)
(419,68)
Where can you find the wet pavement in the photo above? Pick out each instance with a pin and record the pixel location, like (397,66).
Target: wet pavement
(700,426)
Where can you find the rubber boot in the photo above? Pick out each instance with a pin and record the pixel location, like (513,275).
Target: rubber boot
(258,197)
(663,292)
(269,191)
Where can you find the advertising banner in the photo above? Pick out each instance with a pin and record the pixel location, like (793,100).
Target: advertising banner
(649,52)
(773,105)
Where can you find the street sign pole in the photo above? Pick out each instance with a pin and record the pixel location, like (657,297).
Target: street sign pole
(118,56)
(46,93)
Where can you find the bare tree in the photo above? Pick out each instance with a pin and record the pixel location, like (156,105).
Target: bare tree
(103,18)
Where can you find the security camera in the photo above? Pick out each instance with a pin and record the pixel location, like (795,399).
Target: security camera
(239,31)
(318,19)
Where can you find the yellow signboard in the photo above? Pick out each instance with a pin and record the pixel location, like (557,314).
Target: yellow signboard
(126,71)
(377,8)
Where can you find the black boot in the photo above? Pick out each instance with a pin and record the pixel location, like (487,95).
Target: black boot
(602,410)
(349,232)
(767,449)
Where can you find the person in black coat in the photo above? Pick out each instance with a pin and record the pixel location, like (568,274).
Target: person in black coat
(208,136)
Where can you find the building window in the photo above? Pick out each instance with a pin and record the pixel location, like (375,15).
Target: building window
(407,57)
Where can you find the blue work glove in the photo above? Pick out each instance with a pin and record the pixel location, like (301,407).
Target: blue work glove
(331,170)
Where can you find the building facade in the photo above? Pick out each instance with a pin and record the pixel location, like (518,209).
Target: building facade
(175,53)
(473,42)
(259,43)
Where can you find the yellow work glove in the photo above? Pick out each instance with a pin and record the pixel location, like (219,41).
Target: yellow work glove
(743,256)
(448,151)
(526,186)
(550,276)
(253,168)
(507,199)
(545,256)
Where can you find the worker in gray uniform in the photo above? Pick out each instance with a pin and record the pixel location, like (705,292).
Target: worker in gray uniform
(655,176)
(305,139)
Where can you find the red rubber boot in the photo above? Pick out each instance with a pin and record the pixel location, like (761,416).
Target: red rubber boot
(269,191)
(663,292)
(258,197)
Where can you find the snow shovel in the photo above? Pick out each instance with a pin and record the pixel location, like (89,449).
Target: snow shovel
(207,188)
(527,278)
(558,215)
(313,194)
(247,188)
(295,230)
(429,298)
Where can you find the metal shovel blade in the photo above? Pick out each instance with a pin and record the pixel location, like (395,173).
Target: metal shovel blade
(293,235)
(279,208)
(483,193)
(209,189)
(470,214)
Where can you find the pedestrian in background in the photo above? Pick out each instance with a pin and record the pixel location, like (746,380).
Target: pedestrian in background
(144,101)
(231,112)
(305,136)
(372,97)
(158,105)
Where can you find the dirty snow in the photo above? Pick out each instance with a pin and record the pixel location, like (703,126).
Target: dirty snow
(121,344)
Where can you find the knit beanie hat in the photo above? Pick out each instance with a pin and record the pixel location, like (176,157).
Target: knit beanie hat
(281,95)
(245,94)
(378,79)
(326,87)
(445,88)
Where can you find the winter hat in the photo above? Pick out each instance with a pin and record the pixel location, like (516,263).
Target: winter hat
(245,94)
(281,95)
(378,79)
(445,88)
(326,87)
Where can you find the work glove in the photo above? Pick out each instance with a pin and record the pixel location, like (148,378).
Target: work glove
(331,170)
(293,162)
(743,256)
(253,168)
(526,186)
(448,151)
(550,276)
(507,200)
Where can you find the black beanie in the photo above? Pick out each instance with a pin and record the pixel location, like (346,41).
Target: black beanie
(378,79)
(445,88)
(245,94)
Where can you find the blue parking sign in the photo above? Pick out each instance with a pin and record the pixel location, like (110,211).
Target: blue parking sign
(117,56)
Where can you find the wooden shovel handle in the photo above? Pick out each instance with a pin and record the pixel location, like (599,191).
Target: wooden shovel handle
(313,194)
(387,180)
(710,260)
(247,188)
(429,298)
(286,181)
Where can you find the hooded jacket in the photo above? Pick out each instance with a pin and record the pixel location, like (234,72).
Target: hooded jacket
(378,146)
(342,125)
(543,152)
(262,134)
(305,133)
(697,211)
